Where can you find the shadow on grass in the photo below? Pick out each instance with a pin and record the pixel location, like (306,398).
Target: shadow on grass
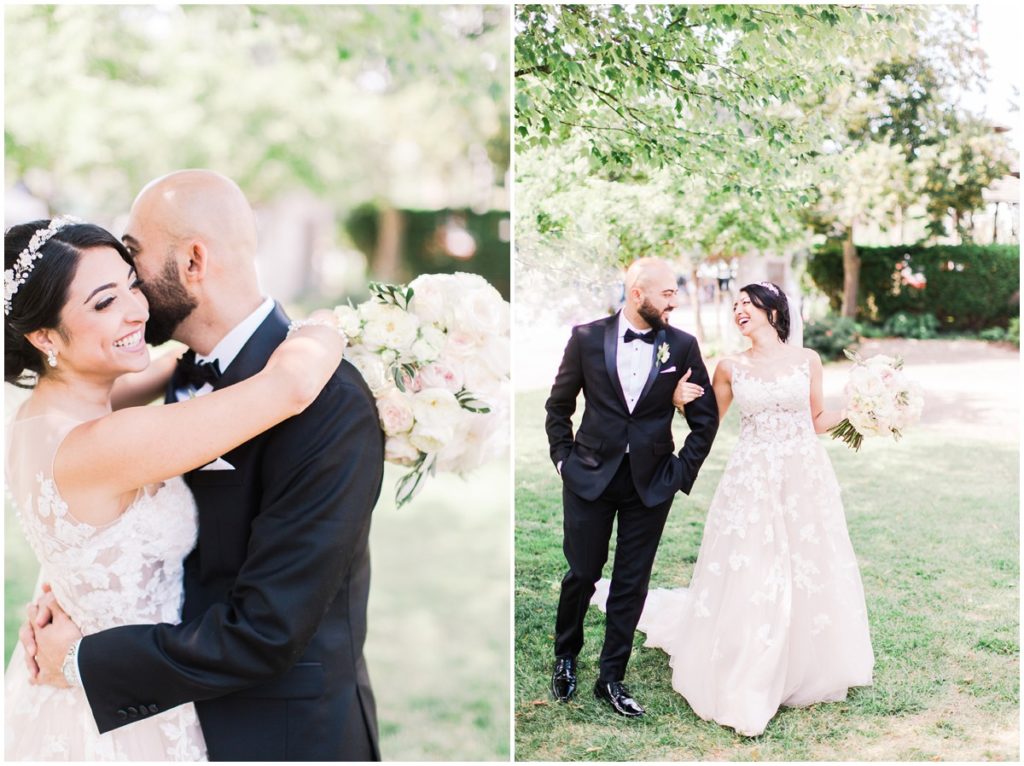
(934,522)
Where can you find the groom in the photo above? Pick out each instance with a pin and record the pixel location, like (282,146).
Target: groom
(621,463)
(270,646)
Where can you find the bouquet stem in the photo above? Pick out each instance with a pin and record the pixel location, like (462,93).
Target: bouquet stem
(845,431)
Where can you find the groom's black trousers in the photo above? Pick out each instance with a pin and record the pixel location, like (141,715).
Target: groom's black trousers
(588,529)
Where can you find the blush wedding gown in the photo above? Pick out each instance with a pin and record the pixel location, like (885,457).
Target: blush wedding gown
(774,614)
(126,572)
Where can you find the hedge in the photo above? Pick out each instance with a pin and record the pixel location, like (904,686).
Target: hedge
(420,253)
(967,287)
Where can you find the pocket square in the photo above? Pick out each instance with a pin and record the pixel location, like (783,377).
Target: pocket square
(220,464)
(668,369)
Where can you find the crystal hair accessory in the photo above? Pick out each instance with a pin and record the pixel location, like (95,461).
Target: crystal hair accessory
(17,275)
(769,286)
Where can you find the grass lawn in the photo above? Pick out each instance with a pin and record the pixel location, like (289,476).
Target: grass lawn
(438,643)
(934,523)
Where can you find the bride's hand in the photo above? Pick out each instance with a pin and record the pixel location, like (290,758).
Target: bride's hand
(54,641)
(39,614)
(308,357)
(685,391)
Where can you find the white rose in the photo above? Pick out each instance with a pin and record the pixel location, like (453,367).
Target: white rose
(496,355)
(395,412)
(439,375)
(433,406)
(349,321)
(880,361)
(387,326)
(430,437)
(866,422)
(481,312)
(428,298)
(460,343)
(429,344)
(453,456)
(370,367)
(478,377)
(399,450)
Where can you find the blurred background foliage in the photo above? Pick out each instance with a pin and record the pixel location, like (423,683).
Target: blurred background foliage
(735,139)
(313,110)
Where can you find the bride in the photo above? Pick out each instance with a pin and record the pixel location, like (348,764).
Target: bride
(97,484)
(775,613)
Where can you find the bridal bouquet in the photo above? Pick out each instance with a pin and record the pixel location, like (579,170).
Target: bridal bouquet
(436,355)
(880,400)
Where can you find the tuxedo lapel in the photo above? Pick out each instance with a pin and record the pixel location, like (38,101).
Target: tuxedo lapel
(257,350)
(611,351)
(653,374)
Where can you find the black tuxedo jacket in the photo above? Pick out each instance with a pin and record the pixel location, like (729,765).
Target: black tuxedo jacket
(270,646)
(591,459)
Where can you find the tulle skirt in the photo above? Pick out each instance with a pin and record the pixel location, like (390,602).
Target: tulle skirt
(775,612)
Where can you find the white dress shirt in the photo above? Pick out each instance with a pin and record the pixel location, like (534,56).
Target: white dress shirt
(227,349)
(633,360)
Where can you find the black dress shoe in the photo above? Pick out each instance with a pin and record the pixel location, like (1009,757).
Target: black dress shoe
(563,679)
(617,695)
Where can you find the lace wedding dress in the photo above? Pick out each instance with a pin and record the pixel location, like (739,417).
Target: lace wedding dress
(126,572)
(774,614)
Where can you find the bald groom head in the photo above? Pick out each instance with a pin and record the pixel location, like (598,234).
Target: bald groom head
(651,292)
(192,236)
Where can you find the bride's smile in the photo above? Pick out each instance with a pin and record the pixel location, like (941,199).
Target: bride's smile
(102,325)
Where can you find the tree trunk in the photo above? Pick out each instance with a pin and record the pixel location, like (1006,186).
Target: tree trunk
(698,325)
(995,225)
(389,244)
(851,275)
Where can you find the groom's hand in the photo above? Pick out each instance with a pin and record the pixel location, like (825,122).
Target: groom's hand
(53,643)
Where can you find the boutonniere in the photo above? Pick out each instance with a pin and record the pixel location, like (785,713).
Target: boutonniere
(662,354)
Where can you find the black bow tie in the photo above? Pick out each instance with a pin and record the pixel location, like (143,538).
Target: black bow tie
(197,374)
(646,337)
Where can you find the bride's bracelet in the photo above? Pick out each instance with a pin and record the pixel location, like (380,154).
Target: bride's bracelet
(298,324)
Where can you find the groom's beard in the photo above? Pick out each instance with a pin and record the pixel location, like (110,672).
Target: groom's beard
(169,304)
(651,315)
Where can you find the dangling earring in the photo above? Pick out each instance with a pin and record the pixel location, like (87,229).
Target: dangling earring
(51,358)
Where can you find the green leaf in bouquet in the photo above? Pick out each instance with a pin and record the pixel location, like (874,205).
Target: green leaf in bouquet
(469,401)
(395,295)
(853,356)
(409,485)
(403,374)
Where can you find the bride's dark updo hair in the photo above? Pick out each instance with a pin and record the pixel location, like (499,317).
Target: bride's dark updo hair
(769,297)
(40,300)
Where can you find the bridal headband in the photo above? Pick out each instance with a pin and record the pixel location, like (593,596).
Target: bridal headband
(771,287)
(16,276)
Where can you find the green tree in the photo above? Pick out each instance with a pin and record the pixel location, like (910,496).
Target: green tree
(900,139)
(711,111)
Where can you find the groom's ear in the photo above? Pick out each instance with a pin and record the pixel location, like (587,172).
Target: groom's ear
(198,260)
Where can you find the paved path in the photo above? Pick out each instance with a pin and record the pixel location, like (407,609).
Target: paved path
(972,388)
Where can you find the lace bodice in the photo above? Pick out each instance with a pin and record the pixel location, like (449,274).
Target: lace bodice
(126,572)
(773,410)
